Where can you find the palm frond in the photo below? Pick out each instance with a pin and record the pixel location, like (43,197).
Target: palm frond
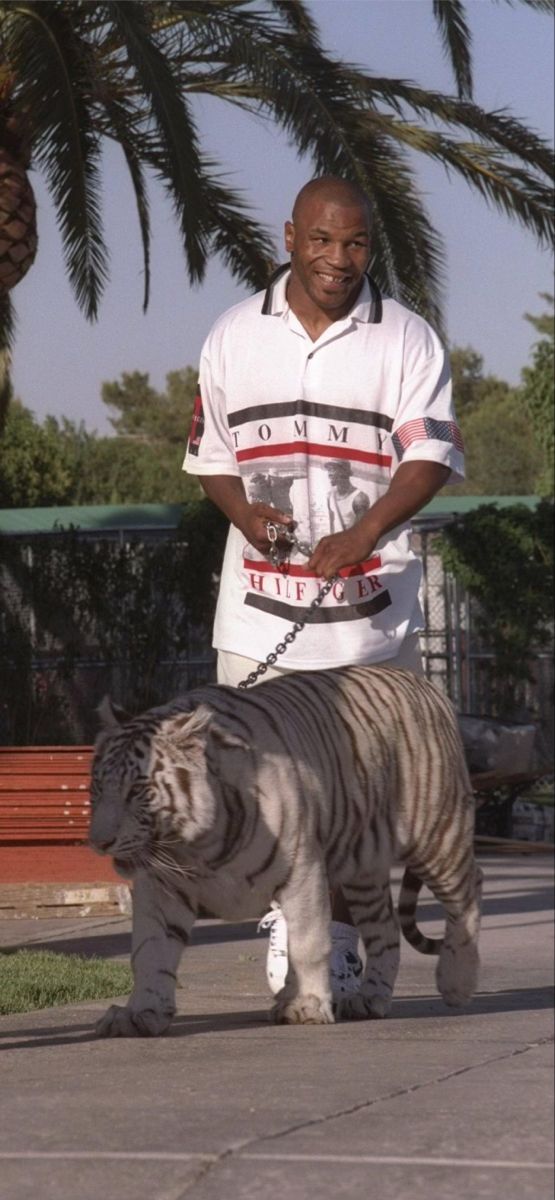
(50,65)
(457,39)
(498,128)
(547,6)
(120,128)
(126,70)
(311,100)
(511,188)
(297,16)
(247,249)
(178,153)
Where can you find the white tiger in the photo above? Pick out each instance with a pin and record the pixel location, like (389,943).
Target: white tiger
(227,799)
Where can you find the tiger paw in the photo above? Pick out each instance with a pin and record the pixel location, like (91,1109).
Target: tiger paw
(457,974)
(305,1010)
(363,1007)
(125,1022)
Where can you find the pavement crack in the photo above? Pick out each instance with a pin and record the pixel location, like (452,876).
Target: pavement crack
(394,1095)
(204,1169)
(236,1151)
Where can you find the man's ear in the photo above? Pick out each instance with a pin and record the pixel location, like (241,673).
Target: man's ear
(111,715)
(289,237)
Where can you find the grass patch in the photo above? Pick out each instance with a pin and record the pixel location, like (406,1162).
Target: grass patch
(31,979)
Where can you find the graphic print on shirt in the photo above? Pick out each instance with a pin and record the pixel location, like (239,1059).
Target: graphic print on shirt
(314,462)
(197,425)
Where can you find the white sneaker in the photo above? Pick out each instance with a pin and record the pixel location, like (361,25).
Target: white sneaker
(276,958)
(345,963)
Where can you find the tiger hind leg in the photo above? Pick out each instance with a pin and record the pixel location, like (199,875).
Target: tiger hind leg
(458,888)
(459,962)
(372,909)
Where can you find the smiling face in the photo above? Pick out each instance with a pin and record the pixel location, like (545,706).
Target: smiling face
(329,244)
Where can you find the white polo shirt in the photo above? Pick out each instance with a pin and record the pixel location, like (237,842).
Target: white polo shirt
(274,408)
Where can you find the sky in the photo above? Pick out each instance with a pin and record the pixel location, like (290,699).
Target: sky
(494,269)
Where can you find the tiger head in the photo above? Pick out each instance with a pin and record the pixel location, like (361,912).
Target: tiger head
(152,782)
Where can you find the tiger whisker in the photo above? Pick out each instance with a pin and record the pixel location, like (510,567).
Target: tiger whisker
(170,866)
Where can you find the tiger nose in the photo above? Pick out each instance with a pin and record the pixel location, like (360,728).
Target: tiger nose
(103,829)
(102,847)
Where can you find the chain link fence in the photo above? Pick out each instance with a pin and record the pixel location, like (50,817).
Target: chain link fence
(143,644)
(458,661)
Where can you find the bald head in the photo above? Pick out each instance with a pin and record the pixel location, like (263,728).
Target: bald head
(329,189)
(328,240)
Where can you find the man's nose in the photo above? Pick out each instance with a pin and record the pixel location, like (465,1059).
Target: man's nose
(337,255)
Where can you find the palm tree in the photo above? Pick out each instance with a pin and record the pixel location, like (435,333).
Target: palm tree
(456,36)
(78,72)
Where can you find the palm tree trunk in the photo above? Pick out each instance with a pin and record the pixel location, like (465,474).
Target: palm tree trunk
(7,330)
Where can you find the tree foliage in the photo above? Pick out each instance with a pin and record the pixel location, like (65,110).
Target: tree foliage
(147,414)
(37,462)
(538,397)
(500,450)
(62,463)
(504,558)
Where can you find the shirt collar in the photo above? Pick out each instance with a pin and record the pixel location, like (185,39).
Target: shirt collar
(367,307)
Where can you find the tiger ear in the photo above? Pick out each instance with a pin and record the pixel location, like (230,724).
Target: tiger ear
(180,728)
(188,733)
(111,715)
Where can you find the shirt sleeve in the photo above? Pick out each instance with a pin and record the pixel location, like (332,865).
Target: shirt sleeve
(425,426)
(210,449)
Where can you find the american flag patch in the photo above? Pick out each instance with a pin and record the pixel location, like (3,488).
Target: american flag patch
(424,429)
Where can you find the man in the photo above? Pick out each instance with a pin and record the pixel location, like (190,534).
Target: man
(346,503)
(321,368)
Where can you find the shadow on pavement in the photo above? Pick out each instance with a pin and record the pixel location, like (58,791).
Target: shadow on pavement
(183,1026)
(186,1025)
(113,945)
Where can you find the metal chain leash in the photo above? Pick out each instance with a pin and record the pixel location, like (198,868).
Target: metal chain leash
(275,531)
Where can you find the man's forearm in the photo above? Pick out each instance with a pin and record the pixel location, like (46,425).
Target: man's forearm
(228,494)
(413,486)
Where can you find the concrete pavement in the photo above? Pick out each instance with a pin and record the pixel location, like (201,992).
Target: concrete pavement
(431,1103)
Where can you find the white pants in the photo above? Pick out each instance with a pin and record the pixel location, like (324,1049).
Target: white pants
(232,668)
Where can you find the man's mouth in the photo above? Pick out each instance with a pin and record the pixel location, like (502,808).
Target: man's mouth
(333,280)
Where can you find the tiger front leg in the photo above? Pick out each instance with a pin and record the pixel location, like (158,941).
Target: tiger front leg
(161,927)
(372,910)
(306,997)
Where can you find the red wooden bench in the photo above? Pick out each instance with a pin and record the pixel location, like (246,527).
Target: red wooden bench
(45,794)
(44,824)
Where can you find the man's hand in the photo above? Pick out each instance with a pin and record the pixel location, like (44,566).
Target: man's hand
(412,486)
(253,524)
(228,493)
(341,550)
